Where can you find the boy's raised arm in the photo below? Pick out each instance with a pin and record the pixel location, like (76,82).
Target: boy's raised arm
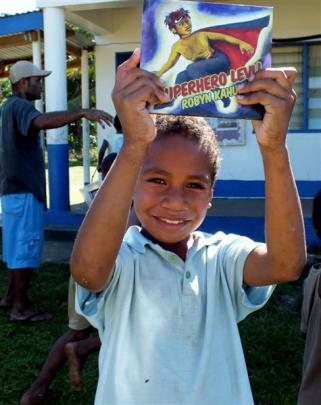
(103,228)
(283,257)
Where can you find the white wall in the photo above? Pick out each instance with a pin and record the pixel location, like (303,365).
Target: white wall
(121,39)
(123,27)
(305,151)
(244,162)
(105,77)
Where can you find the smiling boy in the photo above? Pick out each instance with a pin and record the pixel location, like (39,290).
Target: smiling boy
(166,298)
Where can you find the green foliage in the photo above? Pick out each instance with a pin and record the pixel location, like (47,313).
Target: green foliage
(271,339)
(5,90)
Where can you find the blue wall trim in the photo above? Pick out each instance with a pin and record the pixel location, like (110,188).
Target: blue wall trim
(13,24)
(63,219)
(252,227)
(255,188)
(58,169)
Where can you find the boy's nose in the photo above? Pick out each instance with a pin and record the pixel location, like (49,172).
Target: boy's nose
(174,199)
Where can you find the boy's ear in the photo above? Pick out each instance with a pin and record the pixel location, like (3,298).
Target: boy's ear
(173,30)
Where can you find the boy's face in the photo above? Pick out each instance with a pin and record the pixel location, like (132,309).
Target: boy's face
(174,189)
(184,27)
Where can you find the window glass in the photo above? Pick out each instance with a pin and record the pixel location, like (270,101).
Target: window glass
(314,91)
(307,112)
(292,56)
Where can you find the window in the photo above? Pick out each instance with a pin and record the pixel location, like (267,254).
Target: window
(306,58)
(121,57)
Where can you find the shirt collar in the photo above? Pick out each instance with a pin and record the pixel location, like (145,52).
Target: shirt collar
(138,241)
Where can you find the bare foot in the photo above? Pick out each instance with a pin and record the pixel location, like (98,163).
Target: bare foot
(29,314)
(6,303)
(40,396)
(33,396)
(75,366)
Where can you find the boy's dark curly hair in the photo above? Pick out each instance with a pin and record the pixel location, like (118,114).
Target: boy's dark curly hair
(197,130)
(175,16)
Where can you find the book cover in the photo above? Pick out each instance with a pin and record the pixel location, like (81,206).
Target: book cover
(202,51)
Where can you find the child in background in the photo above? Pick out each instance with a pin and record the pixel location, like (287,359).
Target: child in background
(165,298)
(120,137)
(76,344)
(310,390)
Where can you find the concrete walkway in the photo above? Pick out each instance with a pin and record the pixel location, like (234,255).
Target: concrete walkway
(55,251)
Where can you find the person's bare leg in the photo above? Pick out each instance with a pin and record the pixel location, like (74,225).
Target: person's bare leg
(54,362)
(77,353)
(7,300)
(22,283)
(22,309)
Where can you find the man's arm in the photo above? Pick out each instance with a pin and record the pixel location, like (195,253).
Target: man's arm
(100,235)
(58,119)
(283,257)
(245,47)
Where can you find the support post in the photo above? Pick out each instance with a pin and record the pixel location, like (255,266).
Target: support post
(56,100)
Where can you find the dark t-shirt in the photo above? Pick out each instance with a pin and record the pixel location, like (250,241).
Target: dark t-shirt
(22,168)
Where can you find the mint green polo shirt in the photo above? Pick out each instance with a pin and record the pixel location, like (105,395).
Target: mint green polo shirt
(169,328)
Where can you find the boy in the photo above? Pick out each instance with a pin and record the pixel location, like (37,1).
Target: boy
(196,46)
(166,300)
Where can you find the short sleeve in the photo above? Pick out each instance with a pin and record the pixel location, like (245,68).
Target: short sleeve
(232,254)
(98,307)
(24,113)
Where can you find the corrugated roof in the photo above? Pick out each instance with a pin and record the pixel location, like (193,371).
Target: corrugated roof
(18,32)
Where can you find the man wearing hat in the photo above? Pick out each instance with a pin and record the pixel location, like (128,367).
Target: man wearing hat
(22,182)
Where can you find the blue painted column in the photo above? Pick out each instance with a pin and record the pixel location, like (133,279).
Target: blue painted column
(56,100)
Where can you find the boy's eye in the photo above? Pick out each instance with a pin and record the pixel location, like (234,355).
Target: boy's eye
(156,180)
(198,186)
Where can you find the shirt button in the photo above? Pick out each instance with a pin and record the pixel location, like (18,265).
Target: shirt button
(188,274)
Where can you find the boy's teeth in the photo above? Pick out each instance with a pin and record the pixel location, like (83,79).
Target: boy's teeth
(171,221)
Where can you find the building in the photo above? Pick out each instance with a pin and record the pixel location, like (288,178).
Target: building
(116,26)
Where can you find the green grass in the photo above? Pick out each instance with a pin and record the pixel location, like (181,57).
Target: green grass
(24,346)
(271,339)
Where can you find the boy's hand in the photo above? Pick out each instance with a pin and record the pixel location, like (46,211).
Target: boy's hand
(273,89)
(245,47)
(134,90)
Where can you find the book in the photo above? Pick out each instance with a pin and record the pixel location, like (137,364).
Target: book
(202,51)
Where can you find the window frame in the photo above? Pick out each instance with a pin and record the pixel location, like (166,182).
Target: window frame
(121,56)
(305,79)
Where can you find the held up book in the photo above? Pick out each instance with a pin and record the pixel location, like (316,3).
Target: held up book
(202,51)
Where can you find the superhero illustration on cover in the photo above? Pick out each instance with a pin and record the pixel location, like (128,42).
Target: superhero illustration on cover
(201,67)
